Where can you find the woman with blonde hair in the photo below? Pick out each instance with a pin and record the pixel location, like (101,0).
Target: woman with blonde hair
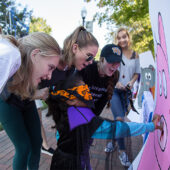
(79,50)
(129,73)
(24,64)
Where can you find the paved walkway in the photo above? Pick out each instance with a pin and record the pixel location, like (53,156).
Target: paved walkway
(98,156)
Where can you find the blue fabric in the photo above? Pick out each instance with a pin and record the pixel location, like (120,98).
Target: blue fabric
(118,129)
(142,98)
(57,135)
(121,143)
(146,134)
(122,129)
(119,103)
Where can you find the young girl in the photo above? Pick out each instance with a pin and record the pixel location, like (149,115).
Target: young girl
(69,104)
(129,73)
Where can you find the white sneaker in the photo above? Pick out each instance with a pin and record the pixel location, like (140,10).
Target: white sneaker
(49,151)
(124,159)
(109,147)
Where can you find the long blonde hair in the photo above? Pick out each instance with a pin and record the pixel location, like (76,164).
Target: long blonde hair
(22,84)
(79,36)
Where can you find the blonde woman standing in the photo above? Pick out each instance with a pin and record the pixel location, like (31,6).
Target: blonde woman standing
(129,73)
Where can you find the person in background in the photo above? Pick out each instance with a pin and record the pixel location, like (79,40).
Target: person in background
(45,147)
(129,73)
(24,64)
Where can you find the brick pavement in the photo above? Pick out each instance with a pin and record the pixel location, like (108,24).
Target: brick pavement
(98,156)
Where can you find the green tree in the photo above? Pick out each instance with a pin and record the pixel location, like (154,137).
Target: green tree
(97,57)
(39,25)
(14,19)
(132,14)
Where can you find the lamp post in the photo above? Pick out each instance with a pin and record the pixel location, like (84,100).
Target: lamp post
(83,15)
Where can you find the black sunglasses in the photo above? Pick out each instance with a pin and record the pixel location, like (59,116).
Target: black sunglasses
(90,57)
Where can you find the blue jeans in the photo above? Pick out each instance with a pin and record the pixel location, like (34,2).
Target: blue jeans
(119,103)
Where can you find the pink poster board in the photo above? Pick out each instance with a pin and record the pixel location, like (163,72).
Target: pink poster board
(156,154)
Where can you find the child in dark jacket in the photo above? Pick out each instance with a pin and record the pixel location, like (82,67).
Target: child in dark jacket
(70,104)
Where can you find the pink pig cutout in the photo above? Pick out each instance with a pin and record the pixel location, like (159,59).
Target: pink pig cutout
(161,141)
(156,154)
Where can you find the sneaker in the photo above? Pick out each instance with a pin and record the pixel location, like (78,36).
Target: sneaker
(124,159)
(109,147)
(49,151)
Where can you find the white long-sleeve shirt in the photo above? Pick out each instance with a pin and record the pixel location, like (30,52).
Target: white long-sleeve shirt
(10,61)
